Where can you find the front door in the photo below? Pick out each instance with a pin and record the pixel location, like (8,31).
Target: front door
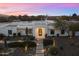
(40,33)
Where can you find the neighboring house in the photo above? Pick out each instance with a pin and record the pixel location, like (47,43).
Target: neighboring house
(36,28)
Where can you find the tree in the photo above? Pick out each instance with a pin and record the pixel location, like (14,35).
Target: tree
(65,18)
(12,17)
(20,17)
(40,17)
(3,19)
(61,24)
(33,18)
(74,15)
(25,18)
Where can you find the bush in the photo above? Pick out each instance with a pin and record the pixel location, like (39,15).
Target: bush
(61,47)
(14,34)
(17,44)
(19,34)
(22,44)
(31,37)
(2,36)
(47,42)
(72,44)
(31,44)
(53,51)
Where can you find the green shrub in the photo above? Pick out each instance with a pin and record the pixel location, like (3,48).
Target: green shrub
(53,51)
(2,36)
(31,44)
(47,42)
(19,34)
(31,37)
(61,47)
(17,44)
(22,44)
(14,34)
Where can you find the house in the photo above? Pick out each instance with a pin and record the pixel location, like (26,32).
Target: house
(36,28)
(74,27)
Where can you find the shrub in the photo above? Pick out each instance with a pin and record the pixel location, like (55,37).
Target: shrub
(2,36)
(22,44)
(19,34)
(14,34)
(31,44)
(17,44)
(61,47)
(53,51)
(72,44)
(31,37)
(47,42)
(2,49)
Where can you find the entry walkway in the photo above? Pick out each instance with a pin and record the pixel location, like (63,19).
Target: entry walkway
(39,48)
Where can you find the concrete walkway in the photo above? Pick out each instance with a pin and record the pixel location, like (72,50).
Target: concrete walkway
(39,48)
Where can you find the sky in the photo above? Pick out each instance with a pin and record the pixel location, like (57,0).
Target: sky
(52,9)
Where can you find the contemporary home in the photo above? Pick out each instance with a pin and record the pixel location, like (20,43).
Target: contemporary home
(39,29)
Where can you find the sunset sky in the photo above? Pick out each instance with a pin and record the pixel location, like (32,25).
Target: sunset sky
(54,9)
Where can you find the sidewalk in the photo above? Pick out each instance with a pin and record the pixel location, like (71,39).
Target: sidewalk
(39,48)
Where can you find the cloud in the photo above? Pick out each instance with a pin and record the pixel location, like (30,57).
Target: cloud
(37,8)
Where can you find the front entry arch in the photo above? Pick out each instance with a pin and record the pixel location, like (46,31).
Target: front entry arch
(40,33)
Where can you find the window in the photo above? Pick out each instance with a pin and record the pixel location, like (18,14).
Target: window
(51,31)
(19,34)
(9,32)
(29,31)
(62,31)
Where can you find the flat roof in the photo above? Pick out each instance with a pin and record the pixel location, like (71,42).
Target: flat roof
(25,23)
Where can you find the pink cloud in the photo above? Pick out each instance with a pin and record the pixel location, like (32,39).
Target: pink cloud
(33,8)
(3,5)
(72,5)
(23,12)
